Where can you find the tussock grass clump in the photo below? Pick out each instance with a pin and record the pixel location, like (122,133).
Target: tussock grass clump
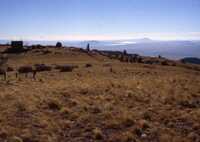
(129,94)
(95,110)
(112,124)
(127,121)
(54,105)
(28,135)
(20,107)
(84,91)
(88,65)
(65,111)
(98,134)
(73,102)
(15,139)
(147,115)
(121,122)
(128,137)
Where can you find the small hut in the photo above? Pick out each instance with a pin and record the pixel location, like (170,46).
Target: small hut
(17,44)
(16,47)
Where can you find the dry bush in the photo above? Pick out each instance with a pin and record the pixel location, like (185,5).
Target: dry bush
(65,68)
(25,69)
(21,107)
(42,67)
(54,105)
(10,69)
(15,50)
(88,65)
(147,115)
(173,64)
(165,63)
(46,52)
(22,110)
(127,121)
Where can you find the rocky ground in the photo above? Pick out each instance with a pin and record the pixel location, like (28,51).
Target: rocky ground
(109,101)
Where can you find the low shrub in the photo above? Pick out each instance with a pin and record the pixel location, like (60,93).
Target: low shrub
(88,65)
(46,52)
(42,67)
(164,63)
(25,69)
(10,69)
(54,105)
(65,68)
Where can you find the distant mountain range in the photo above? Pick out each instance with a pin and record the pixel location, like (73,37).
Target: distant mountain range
(191,60)
(176,49)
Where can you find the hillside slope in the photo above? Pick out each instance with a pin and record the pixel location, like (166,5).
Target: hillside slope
(106,101)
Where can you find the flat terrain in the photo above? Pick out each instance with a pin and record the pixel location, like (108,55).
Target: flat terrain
(110,101)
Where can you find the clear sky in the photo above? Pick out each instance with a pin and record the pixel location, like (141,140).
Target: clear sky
(99,19)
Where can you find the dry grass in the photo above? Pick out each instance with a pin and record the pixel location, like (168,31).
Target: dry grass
(133,103)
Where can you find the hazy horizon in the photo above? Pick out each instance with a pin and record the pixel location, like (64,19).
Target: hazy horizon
(174,49)
(134,22)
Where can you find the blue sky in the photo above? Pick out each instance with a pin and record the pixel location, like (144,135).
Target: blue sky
(99,19)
